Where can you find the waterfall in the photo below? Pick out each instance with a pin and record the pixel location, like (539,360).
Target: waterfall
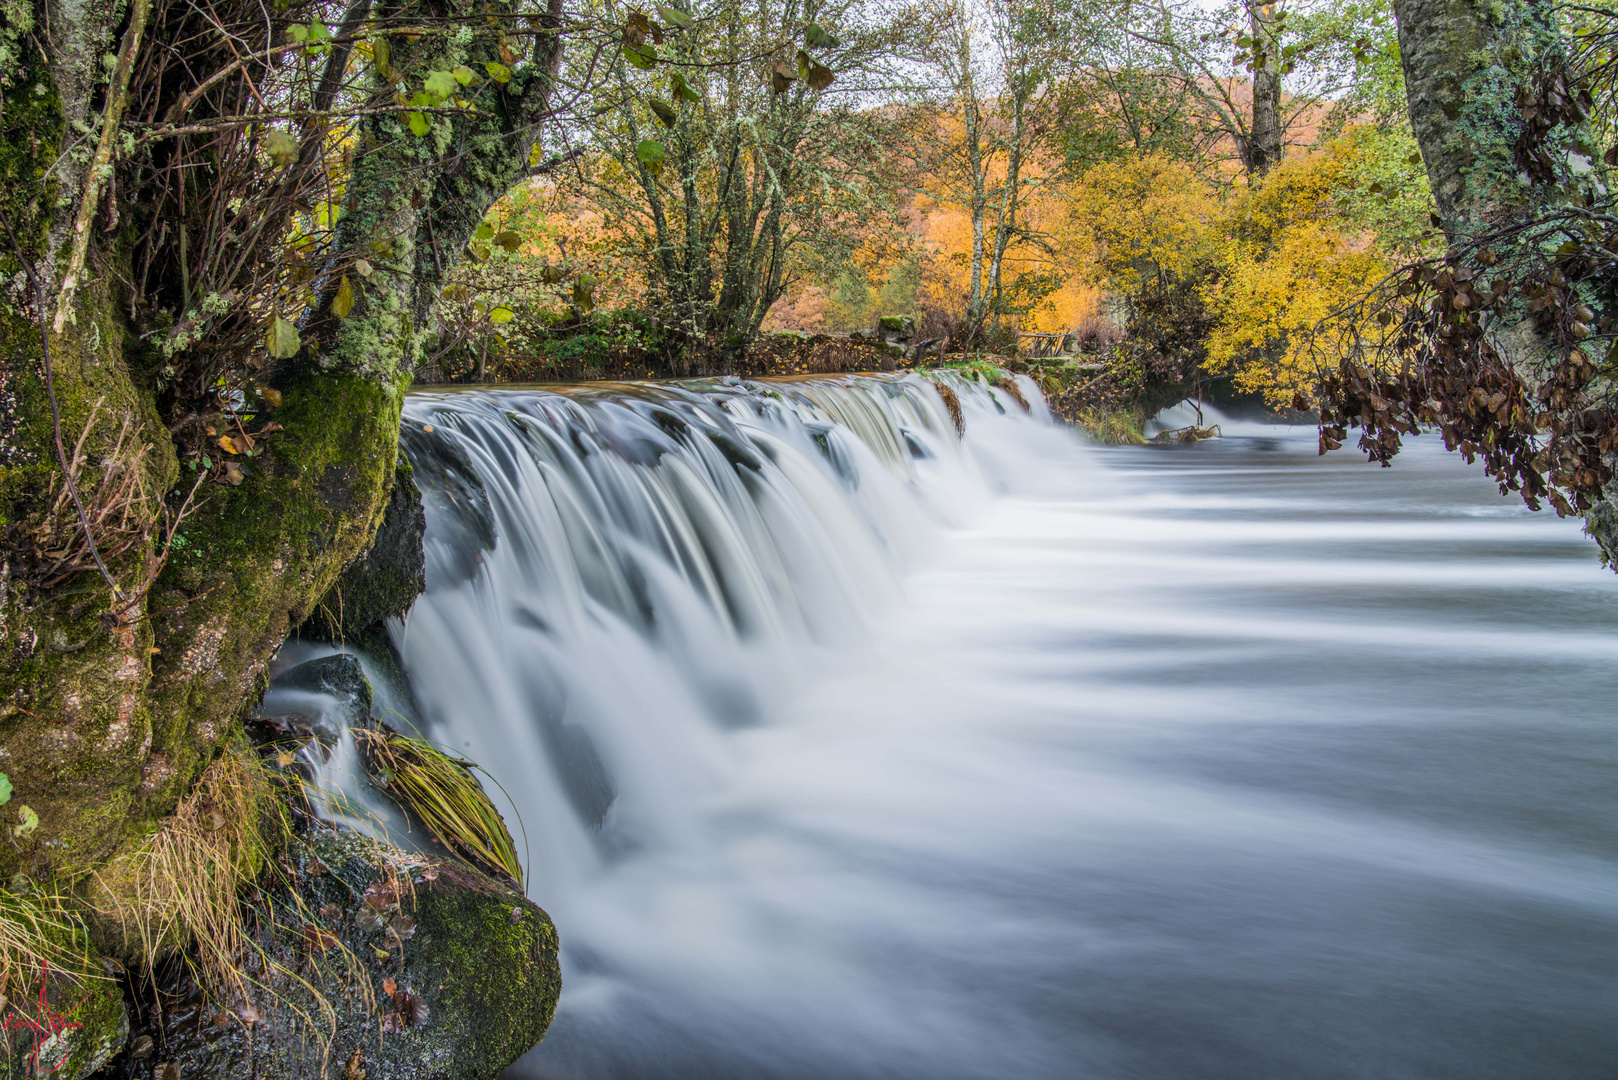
(618,576)
(843,746)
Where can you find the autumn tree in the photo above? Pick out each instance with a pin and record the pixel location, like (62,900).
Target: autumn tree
(732,151)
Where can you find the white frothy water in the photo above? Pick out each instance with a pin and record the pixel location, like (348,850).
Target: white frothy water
(846,749)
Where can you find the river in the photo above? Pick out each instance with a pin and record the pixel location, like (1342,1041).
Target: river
(846,749)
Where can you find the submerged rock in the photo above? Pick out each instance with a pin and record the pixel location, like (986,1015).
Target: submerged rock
(371,963)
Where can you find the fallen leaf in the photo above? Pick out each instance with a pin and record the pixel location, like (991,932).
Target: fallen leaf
(389,987)
(228,445)
(356,1067)
(234,474)
(319,938)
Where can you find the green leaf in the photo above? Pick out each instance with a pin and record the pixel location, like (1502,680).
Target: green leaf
(681,89)
(651,153)
(5,789)
(298,32)
(282,148)
(440,84)
(363,267)
(643,56)
(463,75)
(804,62)
(665,112)
(675,17)
(501,315)
(282,339)
(318,31)
(343,302)
(484,231)
(817,37)
(29,822)
(498,72)
(509,240)
(382,57)
(419,124)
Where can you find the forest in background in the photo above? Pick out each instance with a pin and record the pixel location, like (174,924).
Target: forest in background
(1189,191)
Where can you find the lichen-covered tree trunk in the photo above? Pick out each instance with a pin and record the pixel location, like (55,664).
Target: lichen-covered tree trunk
(1465,64)
(115,690)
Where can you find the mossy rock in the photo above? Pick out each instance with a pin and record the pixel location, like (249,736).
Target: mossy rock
(384,581)
(78,1028)
(471,962)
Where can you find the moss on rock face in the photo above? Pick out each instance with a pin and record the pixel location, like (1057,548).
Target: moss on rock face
(426,969)
(79,1028)
(383,582)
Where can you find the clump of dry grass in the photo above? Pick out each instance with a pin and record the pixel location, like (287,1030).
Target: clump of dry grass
(40,933)
(180,885)
(444,796)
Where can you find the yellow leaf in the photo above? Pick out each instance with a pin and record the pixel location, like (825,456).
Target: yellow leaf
(343,302)
(228,445)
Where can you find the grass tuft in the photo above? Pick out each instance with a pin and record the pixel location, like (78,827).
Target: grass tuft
(180,885)
(442,794)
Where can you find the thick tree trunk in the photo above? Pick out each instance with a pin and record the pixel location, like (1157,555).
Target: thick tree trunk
(114,696)
(1463,61)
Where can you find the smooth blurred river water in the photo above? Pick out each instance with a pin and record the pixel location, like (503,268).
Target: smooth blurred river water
(1164,762)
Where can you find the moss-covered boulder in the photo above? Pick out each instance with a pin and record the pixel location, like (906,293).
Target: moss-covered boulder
(74,1031)
(375,963)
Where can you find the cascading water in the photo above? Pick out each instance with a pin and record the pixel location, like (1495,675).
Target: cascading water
(843,747)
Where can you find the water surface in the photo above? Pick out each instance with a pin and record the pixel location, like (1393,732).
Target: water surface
(880,755)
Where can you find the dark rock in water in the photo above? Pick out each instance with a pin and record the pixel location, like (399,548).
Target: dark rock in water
(425,968)
(384,581)
(454,497)
(339,676)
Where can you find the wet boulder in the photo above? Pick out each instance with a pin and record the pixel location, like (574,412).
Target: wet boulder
(340,682)
(369,963)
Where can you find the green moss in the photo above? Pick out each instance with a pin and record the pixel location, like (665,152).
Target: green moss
(266,550)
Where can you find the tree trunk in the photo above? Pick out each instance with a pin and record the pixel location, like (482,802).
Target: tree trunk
(114,694)
(1264,145)
(1464,63)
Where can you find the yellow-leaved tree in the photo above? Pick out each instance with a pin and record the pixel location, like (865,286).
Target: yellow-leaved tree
(1290,259)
